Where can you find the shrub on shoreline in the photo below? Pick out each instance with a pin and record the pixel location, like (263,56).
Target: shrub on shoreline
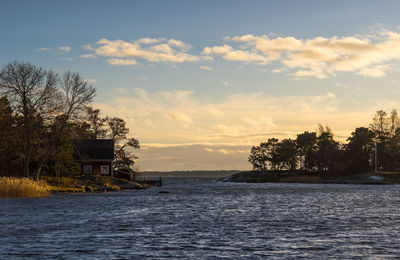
(22,187)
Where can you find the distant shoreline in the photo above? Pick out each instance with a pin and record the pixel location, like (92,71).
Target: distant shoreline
(309,177)
(187,174)
(280,176)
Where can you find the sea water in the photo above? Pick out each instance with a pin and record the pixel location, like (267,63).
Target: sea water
(204,218)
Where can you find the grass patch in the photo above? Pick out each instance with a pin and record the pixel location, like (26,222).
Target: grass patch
(63,182)
(22,187)
(64,189)
(88,183)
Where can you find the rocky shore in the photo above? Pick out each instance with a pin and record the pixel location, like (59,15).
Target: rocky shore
(91,184)
(312,177)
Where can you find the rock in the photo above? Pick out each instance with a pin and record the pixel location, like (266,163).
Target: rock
(110,189)
(378,178)
(89,189)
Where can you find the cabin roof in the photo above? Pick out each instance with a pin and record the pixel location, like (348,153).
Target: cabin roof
(94,149)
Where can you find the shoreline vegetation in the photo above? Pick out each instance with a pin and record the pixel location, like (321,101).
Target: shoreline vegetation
(313,177)
(320,158)
(13,187)
(41,114)
(22,187)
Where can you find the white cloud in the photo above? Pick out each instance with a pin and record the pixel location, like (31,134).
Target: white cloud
(64,48)
(148,49)
(87,47)
(150,40)
(318,57)
(224,83)
(142,78)
(87,56)
(181,117)
(319,74)
(206,68)
(228,53)
(330,95)
(375,72)
(121,62)
(279,70)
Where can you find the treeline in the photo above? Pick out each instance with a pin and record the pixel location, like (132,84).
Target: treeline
(41,112)
(319,152)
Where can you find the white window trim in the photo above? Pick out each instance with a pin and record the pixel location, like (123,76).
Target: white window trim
(104,166)
(87,169)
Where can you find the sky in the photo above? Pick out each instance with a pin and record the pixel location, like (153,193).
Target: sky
(200,82)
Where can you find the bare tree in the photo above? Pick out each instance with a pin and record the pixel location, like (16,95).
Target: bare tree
(40,98)
(31,91)
(74,96)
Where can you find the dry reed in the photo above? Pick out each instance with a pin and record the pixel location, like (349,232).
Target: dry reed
(22,187)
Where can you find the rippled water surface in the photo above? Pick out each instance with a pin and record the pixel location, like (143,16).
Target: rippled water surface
(206,219)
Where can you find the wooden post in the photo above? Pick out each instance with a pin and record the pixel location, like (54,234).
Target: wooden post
(376,156)
(112,169)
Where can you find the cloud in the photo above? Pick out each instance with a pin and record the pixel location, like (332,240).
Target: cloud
(182,117)
(88,56)
(121,62)
(64,48)
(318,57)
(206,68)
(185,157)
(228,53)
(149,40)
(87,47)
(142,78)
(279,70)
(122,91)
(315,73)
(375,72)
(237,120)
(330,95)
(224,83)
(148,49)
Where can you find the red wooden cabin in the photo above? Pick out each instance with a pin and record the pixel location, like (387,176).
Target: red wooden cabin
(95,155)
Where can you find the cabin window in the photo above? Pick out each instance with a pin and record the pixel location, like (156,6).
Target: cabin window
(87,169)
(104,169)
